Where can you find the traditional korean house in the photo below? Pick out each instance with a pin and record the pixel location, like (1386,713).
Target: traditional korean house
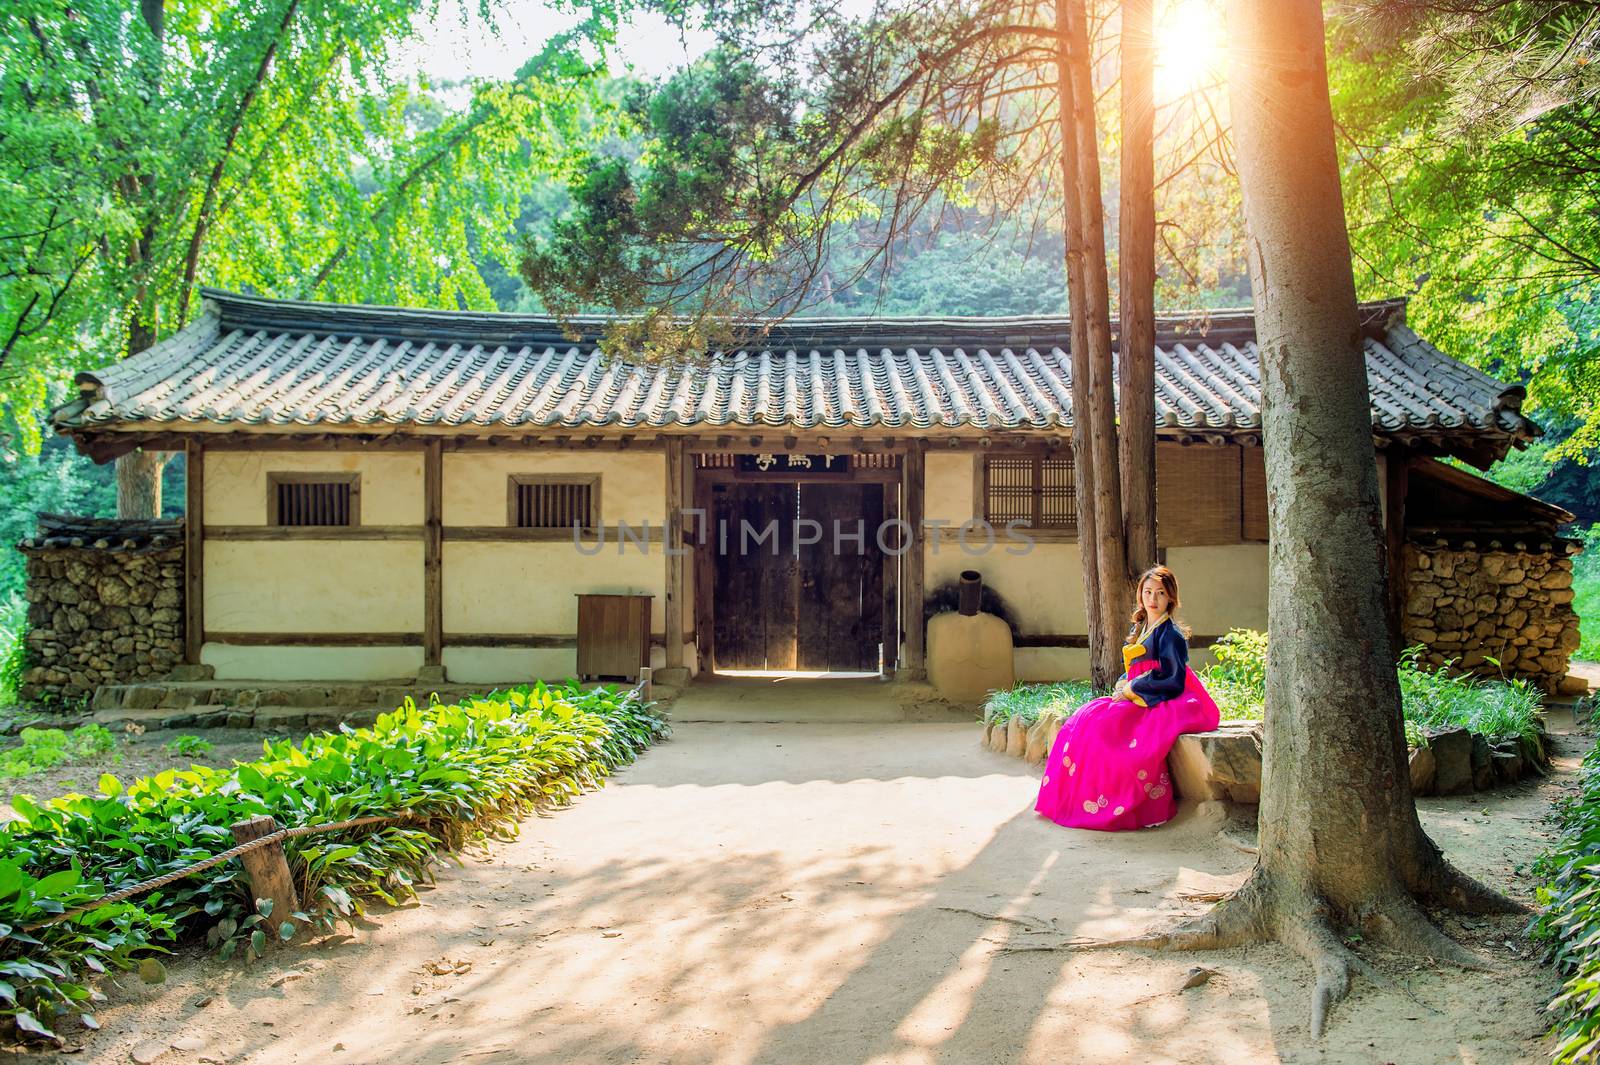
(377,492)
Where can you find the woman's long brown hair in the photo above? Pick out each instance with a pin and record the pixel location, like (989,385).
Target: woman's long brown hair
(1169,581)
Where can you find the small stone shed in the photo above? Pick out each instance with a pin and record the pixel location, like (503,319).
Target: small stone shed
(377,492)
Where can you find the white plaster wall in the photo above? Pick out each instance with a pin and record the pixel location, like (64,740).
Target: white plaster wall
(532,587)
(947,486)
(1222,587)
(313,585)
(391,483)
(508,665)
(1039,664)
(1043,587)
(632,484)
(311,663)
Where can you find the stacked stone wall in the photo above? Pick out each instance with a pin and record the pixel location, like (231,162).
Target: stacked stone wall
(1467,605)
(100,616)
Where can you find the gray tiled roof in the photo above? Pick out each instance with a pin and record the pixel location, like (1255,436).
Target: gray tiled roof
(250,362)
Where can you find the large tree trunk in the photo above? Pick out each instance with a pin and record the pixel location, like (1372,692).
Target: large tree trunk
(1082,443)
(139,483)
(1136,252)
(1342,851)
(1106,586)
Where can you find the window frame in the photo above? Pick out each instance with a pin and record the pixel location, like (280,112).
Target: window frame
(981,496)
(517,480)
(277,478)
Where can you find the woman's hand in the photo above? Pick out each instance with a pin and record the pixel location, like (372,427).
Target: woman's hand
(1121,690)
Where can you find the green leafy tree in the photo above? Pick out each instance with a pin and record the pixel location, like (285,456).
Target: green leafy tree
(262,145)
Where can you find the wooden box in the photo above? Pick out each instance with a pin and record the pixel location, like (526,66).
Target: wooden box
(613,635)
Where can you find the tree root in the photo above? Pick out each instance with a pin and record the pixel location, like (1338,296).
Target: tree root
(1402,924)
(1306,925)
(1442,884)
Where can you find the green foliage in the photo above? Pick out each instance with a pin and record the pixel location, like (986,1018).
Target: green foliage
(1029,701)
(1430,699)
(1586,595)
(265,144)
(187,745)
(1437,699)
(1569,919)
(13,651)
(464,772)
(1459,195)
(43,748)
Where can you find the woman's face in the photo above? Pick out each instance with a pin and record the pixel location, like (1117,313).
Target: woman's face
(1153,597)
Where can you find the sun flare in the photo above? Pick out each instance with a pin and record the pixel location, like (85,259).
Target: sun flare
(1189,46)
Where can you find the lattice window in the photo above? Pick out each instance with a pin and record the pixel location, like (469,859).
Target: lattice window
(313,499)
(540,501)
(1038,490)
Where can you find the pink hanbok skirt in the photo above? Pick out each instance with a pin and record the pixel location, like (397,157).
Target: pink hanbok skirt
(1108,768)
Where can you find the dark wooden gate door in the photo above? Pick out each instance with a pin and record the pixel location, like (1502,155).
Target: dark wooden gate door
(757,576)
(841,578)
(779,604)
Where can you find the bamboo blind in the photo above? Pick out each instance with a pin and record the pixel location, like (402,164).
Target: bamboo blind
(1040,492)
(1198,495)
(1255,494)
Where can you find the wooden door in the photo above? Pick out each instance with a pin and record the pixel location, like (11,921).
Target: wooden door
(841,578)
(779,604)
(756,582)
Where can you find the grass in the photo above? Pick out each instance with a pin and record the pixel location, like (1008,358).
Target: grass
(1586,596)
(1030,701)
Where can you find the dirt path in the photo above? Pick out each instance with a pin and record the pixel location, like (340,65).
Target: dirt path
(786,893)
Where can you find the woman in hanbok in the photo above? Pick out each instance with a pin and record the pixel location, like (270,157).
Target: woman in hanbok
(1108,767)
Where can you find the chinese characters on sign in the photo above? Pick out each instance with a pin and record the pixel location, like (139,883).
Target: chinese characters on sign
(776,462)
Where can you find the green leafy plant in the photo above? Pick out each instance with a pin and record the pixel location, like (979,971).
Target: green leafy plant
(460,772)
(1569,919)
(187,745)
(13,659)
(1030,701)
(42,748)
(1436,698)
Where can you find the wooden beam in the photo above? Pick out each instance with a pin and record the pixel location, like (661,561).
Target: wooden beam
(194,562)
(677,588)
(316,639)
(314,532)
(433,553)
(1397,483)
(509,534)
(914,468)
(512,639)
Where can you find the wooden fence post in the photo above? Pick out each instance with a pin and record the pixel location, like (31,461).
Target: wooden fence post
(268,869)
(644,684)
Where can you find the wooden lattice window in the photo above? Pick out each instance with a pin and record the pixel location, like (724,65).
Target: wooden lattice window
(1038,490)
(554,501)
(314,499)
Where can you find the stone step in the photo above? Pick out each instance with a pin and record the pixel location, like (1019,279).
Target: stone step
(217,715)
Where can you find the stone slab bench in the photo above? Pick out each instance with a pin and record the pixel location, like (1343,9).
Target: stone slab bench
(1225,764)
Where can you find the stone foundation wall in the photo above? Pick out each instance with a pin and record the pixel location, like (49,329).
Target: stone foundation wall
(107,612)
(1468,605)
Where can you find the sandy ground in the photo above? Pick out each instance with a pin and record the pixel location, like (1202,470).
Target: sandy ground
(792,893)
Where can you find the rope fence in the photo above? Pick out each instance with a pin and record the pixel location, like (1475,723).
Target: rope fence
(275,871)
